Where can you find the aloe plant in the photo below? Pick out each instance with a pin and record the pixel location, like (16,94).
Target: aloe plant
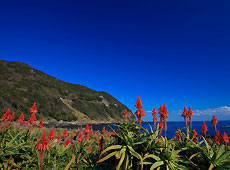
(128,139)
(215,156)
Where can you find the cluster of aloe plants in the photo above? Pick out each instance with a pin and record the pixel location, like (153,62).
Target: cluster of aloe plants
(139,148)
(27,145)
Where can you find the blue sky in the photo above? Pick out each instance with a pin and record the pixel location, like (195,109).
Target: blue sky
(175,52)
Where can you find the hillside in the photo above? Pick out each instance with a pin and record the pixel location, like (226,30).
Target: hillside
(21,86)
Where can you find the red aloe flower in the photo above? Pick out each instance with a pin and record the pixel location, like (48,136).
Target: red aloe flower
(6,116)
(43,143)
(79,137)
(218,138)
(94,133)
(33,109)
(185,115)
(12,117)
(161,126)
(32,120)
(66,143)
(87,131)
(59,139)
(154,114)
(163,117)
(41,146)
(204,128)
(139,112)
(21,119)
(101,143)
(103,130)
(225,139)
(166,115)
(210,140)
(178,136)
(194,135)
(51,135)
(190,115)
(126,114)
(40,124)
(90,149)
(65,133)
(138,104)
(214,121)
(160,111)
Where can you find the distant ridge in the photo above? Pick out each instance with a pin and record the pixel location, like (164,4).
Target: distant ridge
(21,85)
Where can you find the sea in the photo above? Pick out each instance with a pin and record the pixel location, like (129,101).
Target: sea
(222,126)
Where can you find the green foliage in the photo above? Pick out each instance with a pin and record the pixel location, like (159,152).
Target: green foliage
(128,147)
(147,150)
(18,150)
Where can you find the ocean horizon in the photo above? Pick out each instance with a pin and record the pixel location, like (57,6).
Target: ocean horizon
(172,126)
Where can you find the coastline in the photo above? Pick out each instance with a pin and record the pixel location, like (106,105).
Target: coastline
(77,125)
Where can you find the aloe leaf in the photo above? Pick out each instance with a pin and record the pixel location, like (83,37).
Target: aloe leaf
(119,153)
(107,157)
(134,153)
(9,144)
(152,156)
(121,161)
(111,148)
(126,161)
(221,150)
(156,164)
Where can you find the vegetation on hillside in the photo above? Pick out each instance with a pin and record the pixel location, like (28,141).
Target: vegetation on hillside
(20,84)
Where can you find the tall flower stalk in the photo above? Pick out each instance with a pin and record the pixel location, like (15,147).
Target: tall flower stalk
(51,135)
(190,115)
(225,140)
(33,109)
(163,118)
(160,112)
(42,145)
(214,121)
(185,115)
(6,116)
(139,112)
(12,117)
(204,128)
(65,133)
(33,118)
(154,114)
(218,138)
(40,124)
(21,119)
(87,131)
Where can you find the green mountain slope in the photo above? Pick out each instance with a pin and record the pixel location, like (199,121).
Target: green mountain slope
(21,85)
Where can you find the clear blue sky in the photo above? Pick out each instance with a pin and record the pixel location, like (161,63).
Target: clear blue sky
(177,52)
